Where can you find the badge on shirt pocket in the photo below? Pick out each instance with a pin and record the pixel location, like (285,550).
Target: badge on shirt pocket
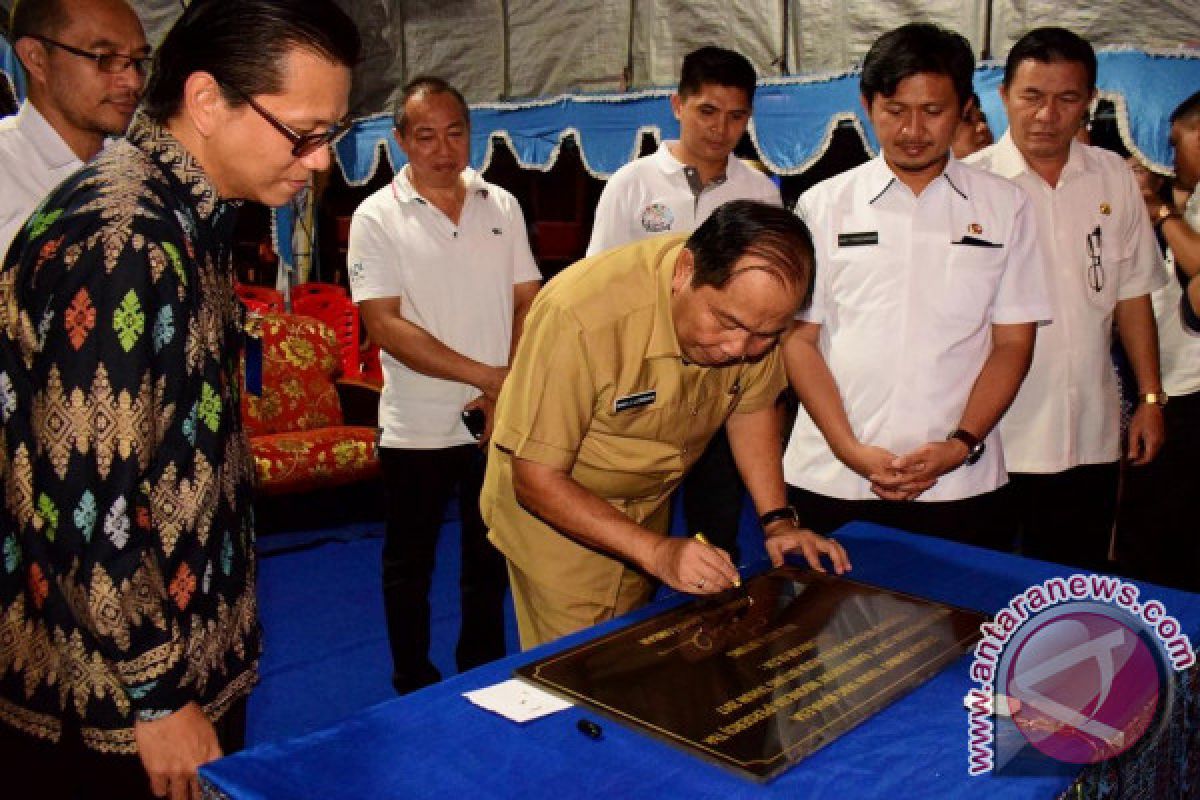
(657,218)
(634,401)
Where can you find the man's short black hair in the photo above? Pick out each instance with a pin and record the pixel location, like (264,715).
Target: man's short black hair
(243,44)
(716,65)
(36,18)
(1051,45)
(919,47)
(741,227)
(427,84)
(1187,112)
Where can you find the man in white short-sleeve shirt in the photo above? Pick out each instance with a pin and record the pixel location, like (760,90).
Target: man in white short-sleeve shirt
(441,268)
(75,100)
(1159,509)
(674,191)
(929,288)
(1062,435)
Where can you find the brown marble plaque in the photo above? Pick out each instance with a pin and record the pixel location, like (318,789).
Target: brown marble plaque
(757,680)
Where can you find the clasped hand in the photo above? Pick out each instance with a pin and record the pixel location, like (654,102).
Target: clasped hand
(907,476)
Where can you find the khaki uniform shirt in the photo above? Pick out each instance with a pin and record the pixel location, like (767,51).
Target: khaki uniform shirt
(599,388)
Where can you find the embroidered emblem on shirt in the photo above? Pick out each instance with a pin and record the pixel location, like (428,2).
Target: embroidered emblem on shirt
(657,218)
(1105,209)
(634,401)
(497,231)
(858,239)
(975,228)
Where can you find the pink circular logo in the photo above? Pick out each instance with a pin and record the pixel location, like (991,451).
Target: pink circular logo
(1088,686)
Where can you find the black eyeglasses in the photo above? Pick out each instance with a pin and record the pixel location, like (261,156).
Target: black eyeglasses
(110,63)
(1095,260)
(303,144)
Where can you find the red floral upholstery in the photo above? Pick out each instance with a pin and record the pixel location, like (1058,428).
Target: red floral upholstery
(292,462)
(296,427)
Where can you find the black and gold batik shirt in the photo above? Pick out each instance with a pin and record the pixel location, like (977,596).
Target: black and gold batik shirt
(126,533)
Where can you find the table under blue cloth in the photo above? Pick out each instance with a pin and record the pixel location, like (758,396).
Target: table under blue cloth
(435,743)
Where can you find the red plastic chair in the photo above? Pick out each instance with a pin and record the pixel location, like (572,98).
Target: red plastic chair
(317,289)
(259,298)
(340,314)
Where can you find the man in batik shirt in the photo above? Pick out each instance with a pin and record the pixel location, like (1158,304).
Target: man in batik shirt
(128,630)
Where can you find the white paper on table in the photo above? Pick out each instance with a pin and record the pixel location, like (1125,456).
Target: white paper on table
(516,700)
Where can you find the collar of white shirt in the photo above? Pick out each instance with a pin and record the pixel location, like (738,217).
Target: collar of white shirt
(1008,162)
(879,178)
(405,193)
(670,165)
(47,143)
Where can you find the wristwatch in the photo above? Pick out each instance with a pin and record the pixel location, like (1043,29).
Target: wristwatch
(1165,212)
(975,445)
(776,514)
(1154,398)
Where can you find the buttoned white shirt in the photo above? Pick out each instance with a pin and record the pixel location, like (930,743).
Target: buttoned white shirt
(653,195)
(907,290)
(1067,412)
(454,281)
(1178,345)
(33,160)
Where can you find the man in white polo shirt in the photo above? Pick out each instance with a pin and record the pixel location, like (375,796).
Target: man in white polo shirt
(673,191)
(86,61)
(929,287)
(441,268)
(1062,435)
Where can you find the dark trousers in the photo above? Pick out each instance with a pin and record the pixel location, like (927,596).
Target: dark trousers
(419,484)
(1158,522)
(67,770)
(972,520)
(712,496)
(1066,517)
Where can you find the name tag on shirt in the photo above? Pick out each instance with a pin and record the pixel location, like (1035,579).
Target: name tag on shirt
(858,239)
(634,401)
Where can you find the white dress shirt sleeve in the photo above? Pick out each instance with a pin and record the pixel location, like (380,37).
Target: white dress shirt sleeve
(1022,295)
(1141,269)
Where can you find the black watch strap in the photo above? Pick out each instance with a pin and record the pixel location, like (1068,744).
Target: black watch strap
(975,446)
(776,514)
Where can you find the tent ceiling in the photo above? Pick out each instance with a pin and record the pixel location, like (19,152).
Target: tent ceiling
(505,49)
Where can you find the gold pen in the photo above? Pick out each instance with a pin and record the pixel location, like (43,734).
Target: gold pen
(699,537)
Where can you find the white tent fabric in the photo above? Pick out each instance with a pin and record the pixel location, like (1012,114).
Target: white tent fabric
(511,49)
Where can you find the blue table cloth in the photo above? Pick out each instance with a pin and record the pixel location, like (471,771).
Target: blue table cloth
(434,743)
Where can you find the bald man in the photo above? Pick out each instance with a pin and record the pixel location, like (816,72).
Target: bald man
(86,62)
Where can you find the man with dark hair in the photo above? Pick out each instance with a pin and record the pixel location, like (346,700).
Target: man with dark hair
(972,133)
(923,317)
(441,269)
(1156,519)
(629,362)
(675,190)
(85,61)
(1179,222)
(1062,435)
(127,598)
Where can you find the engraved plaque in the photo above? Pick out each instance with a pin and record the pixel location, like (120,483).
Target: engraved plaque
(756,680)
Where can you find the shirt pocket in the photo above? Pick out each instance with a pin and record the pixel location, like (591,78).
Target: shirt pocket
(1103,259)
(972,277)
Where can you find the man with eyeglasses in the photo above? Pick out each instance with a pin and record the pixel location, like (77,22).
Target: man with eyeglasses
(86,61)
(127,599)
(1062,434)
